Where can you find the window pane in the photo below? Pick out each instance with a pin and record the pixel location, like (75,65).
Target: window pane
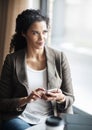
(72,33)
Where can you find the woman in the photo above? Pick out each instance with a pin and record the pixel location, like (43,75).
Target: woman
(35,80)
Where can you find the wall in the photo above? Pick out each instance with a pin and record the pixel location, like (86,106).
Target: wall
(9,10)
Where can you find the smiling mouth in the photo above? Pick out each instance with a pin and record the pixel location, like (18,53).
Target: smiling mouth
(40,43)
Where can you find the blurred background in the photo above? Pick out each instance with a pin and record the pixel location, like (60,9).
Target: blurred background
(70,31)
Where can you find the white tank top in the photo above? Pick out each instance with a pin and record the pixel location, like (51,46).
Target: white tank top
(36,78)
(37,110)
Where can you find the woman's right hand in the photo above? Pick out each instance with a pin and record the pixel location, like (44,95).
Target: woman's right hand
(35,94)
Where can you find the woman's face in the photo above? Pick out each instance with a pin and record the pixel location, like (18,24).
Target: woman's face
(36,35)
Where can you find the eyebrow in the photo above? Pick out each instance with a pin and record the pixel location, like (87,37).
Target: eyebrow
(35,31)
(38,31)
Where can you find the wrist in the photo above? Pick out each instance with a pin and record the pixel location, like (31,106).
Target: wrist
(61,100)
(23,101)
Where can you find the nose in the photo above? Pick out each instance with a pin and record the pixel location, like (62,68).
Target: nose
(41,36)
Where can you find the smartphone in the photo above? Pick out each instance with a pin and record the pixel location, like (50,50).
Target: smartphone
(51,92)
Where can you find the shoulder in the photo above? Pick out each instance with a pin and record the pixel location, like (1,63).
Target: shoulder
(57,55)
(55,52)
(20,52)
(15,54)
(12,57)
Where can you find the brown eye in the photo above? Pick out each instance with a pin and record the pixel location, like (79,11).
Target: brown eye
(45,32)
(35,33)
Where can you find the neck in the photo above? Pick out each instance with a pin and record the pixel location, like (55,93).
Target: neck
(35,53)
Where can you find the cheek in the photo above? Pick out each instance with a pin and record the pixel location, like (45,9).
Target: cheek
(35,39)
(32,38)
(45,37)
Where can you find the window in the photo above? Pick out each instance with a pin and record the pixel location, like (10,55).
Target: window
(71,32)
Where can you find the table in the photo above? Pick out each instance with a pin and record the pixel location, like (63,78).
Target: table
(72,122)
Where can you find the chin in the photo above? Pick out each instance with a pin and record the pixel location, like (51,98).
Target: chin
(40,47)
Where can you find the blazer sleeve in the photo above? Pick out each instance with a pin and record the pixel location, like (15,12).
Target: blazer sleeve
(7,102)
(66,86)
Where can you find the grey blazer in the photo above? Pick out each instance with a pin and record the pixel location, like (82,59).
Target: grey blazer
(13,82)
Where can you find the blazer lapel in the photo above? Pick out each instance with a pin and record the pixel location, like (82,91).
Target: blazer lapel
(20,68)
(54,80)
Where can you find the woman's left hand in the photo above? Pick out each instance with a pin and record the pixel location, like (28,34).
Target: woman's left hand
(54,95)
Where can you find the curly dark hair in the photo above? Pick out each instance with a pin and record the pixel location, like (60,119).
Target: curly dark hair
(23,22)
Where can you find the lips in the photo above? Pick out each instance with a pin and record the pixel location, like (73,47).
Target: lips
(40,43)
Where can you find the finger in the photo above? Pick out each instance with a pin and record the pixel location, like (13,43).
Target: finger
(34,97)
(48,98)
(51,94)
(40,89)
(59,90)
(32,100)
(35,94)
(51,99)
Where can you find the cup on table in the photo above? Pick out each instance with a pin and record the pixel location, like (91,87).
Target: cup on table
(54,123)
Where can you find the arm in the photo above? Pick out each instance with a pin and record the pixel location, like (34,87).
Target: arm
(13,96)
(66,86)
(8,103)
